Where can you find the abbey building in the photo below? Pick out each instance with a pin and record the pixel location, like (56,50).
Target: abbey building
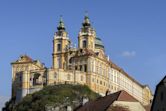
(86,64)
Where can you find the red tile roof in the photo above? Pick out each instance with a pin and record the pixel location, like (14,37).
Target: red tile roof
(103,103)
(124,96)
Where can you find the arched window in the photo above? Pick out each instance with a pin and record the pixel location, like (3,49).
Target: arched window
(76,67)
(70,60)
(36,79)
(55,75)
(84,44)
(19,77)
(58,47)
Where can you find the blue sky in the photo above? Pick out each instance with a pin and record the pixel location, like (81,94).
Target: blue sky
(133,32)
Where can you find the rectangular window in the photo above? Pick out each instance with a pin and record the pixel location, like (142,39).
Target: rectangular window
(20,78)
(58,62)
(81,78)
(93,80)
(68,77)
(101,82)
(80,67)
(75,67)
(85,68)
(96,69)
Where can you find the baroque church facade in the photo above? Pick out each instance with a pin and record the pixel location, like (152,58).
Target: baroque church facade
(86,64)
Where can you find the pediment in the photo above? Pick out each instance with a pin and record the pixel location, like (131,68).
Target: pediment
(24,58)
(100,54)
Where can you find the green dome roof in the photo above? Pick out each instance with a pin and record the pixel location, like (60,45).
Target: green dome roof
(98,43)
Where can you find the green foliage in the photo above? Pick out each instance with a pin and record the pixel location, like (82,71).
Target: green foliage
(55,95)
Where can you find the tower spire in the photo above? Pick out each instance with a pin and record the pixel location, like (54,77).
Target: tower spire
(61,25)
(86,21)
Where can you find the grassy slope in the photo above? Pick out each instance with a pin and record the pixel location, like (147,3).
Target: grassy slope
(55,95)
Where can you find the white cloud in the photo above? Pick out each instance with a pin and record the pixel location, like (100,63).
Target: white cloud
(3,100)
(128,54)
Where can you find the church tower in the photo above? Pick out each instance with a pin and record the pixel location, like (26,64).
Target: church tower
(60,44)
(87,35)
